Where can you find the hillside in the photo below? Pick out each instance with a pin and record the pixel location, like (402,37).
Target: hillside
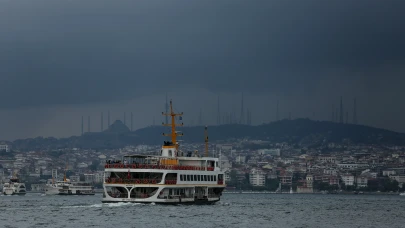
(302,131)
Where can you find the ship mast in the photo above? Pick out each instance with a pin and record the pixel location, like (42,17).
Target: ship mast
(173,125)
(206,141)
(64,175)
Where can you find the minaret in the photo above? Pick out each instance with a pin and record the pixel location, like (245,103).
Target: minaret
(88,124)
(218,114)
(242,114)
(102,122)
(355,112)
(132,117)
(82,125)
(341,110)
(277,111)
(108,119)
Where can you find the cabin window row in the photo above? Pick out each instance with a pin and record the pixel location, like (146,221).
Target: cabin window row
(184,177)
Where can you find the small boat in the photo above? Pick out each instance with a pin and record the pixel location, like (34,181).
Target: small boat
(14,187)
(66,187)
(402,194)
(77,188)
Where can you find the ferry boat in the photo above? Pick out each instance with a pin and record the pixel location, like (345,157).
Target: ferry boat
(171,177)
(14,187)
(66,187)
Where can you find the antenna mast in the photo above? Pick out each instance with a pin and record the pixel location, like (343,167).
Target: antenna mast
(206,141)
(173,125)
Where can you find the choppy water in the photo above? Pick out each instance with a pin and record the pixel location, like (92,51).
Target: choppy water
(234,210)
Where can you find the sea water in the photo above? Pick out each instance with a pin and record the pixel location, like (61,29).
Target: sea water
(234,210)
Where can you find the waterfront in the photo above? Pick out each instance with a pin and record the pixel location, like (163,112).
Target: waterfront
(234,210)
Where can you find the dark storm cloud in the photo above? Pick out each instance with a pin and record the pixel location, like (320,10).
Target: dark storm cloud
(67,52)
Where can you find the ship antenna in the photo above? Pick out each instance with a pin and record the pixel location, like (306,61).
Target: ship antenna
(173,125)
(206,141)
(64,176)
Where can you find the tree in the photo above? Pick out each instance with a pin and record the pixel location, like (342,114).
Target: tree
(272,184)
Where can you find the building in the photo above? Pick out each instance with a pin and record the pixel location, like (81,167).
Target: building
(273,152)
(286,178)
(348,179)
(88,177)
(362,181)
(327,159)
(5,147)
(257,177)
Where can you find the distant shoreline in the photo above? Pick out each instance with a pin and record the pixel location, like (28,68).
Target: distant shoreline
(318,193)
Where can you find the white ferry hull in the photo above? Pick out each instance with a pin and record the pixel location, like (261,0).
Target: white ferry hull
(12,191)
(52,190)
(155,199)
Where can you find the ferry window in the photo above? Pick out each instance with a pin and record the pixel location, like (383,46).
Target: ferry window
(220,176)
(215,178)
(181,177)
(195,177)
(202,177)
(205,177)
(198,177)
(191,177)
(170,153)
(161,152)
(188,177)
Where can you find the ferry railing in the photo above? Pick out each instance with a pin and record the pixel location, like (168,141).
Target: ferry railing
(132,181)
(148,166)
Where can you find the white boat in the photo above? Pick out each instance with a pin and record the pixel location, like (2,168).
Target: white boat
(66,187)
(402,194)
(53,188)
(170,178)
(14,187)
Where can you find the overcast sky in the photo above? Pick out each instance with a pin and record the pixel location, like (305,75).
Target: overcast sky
(63,59)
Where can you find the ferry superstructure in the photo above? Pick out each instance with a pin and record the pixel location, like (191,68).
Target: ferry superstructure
(14,187)
(66,187)
(170,178)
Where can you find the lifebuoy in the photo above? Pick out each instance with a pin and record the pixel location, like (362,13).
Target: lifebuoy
(153,181)
(121,166)
(116,166)
(106,166)
(145,181)
(137,181)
